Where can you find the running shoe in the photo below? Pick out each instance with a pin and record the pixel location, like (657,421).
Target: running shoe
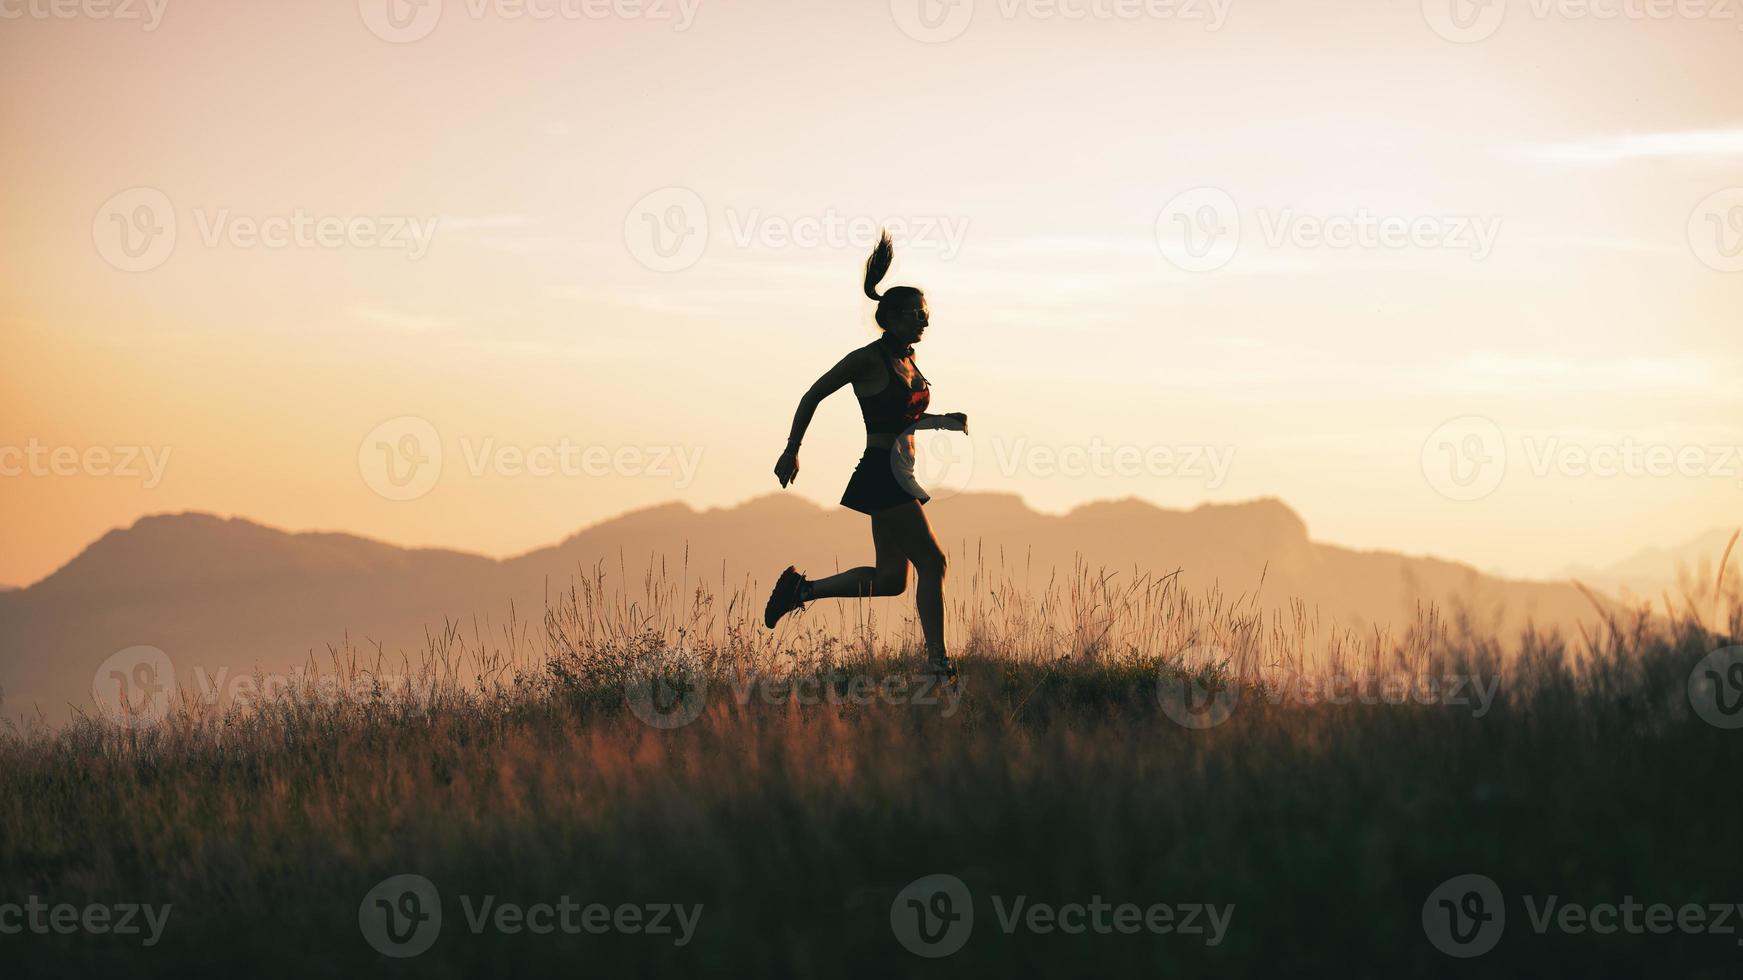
(942,667)
(785,598)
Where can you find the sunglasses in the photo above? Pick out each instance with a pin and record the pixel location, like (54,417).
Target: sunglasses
(920,317)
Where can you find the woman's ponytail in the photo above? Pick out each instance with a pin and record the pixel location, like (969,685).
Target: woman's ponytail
(878,264)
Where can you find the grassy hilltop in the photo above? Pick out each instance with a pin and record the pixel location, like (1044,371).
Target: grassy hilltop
(1111,742)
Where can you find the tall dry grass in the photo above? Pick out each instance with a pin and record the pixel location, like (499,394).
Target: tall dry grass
(517,767)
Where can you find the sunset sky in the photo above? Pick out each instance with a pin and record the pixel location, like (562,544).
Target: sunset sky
(587,241)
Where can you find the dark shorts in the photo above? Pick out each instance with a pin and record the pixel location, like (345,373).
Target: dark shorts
(880,482)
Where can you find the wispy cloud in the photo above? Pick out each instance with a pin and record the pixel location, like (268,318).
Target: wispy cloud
(487,222)
(1072,245)
(1707,144)
(1269,369)
(1603,243)
(395,320)
(516,234)
(1502,371)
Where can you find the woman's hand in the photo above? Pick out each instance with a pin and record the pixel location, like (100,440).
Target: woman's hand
(953,422)
(787,468)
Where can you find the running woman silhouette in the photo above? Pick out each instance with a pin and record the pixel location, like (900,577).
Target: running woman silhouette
(893,398)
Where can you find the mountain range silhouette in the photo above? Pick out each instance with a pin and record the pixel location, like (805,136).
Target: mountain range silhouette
(230,593)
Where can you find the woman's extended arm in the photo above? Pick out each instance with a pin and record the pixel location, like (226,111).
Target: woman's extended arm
(787,467)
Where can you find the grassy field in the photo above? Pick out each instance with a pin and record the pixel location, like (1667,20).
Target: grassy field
(1198,787)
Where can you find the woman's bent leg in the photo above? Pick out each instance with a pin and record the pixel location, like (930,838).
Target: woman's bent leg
(844,585)
(913,533)
(889,577)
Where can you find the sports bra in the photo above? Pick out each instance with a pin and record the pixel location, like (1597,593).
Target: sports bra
(896,407)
